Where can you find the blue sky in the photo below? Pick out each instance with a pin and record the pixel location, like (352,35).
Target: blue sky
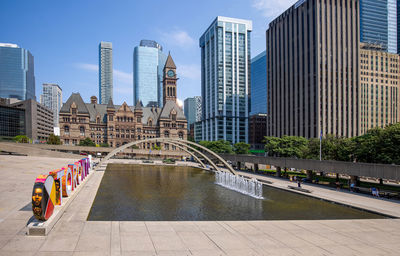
(63,36)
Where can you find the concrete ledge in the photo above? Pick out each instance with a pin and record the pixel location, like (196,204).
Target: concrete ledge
(43,228)
(300,189)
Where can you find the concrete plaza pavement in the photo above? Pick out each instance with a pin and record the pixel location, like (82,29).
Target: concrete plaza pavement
(73,235)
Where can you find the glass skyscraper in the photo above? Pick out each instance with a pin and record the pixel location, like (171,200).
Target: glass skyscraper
(148,65)
(105,72)
(52,99)
(225,79)
(259,84)
(17,78)
(378,23)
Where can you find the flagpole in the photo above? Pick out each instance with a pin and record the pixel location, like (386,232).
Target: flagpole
(320,147)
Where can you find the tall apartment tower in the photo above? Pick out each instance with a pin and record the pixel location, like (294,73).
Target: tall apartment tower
(378,23)
(225,80)
(313,70)
(17,77)
(52,99)
(148,66)
(105,72)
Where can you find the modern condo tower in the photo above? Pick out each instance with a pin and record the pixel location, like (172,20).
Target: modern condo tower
(313,69)
(225,80)
(105,72)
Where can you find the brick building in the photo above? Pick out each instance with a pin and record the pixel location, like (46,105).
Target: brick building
(120,124)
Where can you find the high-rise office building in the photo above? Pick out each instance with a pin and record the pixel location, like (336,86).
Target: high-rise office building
(225,79)
(259,84)
(17,78)
(380,87)
(192,109)
(52,99)
(105,72)
(313,70)
(378,23)
(392,26)
(148,65)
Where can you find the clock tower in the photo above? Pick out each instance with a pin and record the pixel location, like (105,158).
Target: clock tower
(169,81)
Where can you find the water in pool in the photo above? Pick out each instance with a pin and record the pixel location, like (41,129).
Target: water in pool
(170,193)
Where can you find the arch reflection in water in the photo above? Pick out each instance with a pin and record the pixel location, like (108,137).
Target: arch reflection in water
(251,187)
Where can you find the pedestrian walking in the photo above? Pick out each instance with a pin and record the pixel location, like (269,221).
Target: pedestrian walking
(337,185)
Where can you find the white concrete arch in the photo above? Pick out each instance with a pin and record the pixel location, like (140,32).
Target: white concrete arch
(190,153)
(178,141)
(198,152)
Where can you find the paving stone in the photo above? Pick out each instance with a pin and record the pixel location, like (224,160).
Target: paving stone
(196,240)
(24,243)
(139,242)
(167,243)
(93,242)
(60,241)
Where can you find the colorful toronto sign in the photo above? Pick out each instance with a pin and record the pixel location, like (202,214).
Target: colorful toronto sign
(49,190)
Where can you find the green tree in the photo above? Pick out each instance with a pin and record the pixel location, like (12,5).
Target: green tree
(157,147)
(219,146)
(22,139)
(190,138)
(54,140)
(87,142)
(241,148)
(379,145)
(389,145)
(287,146)
(366,146)
(104,145)
(333,148)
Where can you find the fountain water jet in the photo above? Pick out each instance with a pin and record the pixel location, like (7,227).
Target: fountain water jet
(251,187)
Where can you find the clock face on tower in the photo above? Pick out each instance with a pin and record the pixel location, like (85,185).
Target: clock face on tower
(170,73)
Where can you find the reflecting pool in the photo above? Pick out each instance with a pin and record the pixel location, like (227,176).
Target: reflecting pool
(171,193)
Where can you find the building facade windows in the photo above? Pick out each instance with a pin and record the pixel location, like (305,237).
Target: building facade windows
(225,80)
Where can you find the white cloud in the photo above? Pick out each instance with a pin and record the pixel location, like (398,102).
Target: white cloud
(272,8)
(123,77)
(87,66)
(178,37)
(119,76)
(190,71)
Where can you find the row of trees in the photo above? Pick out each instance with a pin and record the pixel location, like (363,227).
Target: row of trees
(223,146)
(376,146)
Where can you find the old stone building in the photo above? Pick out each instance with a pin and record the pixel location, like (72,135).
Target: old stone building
(117,125)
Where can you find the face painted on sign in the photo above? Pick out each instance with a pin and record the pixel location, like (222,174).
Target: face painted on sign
(37,196)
